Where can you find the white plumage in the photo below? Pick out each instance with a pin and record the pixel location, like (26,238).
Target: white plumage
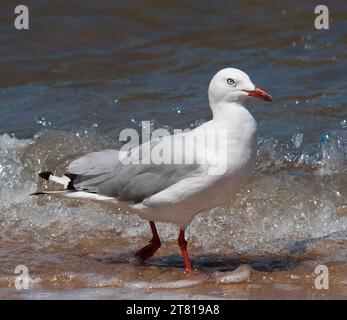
(177,192)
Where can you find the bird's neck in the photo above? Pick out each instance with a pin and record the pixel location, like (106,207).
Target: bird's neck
(227,111)
(240,128)
(235,119)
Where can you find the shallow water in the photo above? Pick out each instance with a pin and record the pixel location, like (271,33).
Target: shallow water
(113,65)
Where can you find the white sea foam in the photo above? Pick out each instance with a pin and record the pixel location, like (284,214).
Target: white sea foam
(296,193)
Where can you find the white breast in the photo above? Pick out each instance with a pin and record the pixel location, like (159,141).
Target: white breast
(182,201)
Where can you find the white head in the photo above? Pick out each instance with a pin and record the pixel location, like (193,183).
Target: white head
(232,85)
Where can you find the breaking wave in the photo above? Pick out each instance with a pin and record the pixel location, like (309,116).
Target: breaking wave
(298,192)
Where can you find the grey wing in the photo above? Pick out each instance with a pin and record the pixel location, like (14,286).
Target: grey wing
(95,163)
(103,172)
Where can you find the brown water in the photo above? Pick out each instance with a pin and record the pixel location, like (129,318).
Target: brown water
(86,70)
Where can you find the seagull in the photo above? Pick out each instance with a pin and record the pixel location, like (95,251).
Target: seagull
(175,192)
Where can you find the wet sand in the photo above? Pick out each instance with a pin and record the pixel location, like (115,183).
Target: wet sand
(104,269)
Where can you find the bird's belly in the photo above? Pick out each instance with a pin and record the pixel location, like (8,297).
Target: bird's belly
(224,189)
(216,191)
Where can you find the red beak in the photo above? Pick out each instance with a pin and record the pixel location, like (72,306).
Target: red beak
(260,93)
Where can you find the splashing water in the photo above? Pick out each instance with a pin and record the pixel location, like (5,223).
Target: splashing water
(298,191)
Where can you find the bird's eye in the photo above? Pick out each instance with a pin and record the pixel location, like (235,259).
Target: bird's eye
(230,81)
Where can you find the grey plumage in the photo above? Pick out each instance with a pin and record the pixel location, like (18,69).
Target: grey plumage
(103,173)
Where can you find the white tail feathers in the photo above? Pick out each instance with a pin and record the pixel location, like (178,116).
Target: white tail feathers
(69,190)
(66,180)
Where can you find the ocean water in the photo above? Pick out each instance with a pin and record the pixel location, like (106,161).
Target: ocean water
(86,70)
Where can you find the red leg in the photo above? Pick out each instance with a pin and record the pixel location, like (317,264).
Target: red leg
(154,244)
(183,246)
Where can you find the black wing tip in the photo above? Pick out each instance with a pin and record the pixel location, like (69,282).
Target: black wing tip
(37,193)
(71,176)
(45,174)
